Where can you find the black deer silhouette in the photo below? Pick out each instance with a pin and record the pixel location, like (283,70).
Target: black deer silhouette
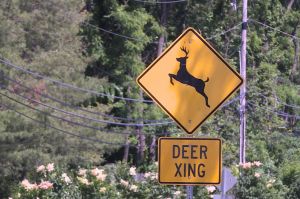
(184,77)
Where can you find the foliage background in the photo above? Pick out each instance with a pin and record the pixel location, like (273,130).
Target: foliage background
(65,40)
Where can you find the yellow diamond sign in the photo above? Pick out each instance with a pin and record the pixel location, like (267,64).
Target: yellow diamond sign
(189,80)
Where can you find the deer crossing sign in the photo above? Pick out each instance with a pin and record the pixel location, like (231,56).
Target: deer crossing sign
(189,80)
(189,161)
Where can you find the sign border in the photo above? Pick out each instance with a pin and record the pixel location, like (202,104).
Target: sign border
(164,53)
(190,183)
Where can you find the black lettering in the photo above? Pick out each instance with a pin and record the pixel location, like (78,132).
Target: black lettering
(184,169)
(200,172)
(203,150)
(178,169)
(176,151)
(193,151)
(192,170)
(184,151)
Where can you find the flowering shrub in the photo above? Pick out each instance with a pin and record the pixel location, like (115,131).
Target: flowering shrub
(51,184)
(118,181)
(255,182)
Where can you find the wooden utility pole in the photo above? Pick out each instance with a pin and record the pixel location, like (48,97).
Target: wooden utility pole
(243,87)
(163,22)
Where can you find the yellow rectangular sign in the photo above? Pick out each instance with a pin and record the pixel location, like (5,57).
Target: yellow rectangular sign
(189,161)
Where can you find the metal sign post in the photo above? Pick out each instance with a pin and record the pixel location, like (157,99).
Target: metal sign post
(189,192)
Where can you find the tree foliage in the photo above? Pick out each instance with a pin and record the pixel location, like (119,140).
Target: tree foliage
(103,46)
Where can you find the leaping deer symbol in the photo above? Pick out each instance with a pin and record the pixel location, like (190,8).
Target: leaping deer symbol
(184,77)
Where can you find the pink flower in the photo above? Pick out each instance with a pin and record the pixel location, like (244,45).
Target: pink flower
(82,172)
(28,186)
(211,189)
(257,163)
(66,178)
(124,183)
(83,181)
(102,189)
(45,185)
(101,176)
(96,171)
(147,174)
(133,188)
(176,193)
(40,168)
(246,165)
(257,175)
(154,176)
(50,167)
(132,171)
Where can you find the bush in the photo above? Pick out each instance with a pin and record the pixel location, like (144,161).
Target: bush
(117,181)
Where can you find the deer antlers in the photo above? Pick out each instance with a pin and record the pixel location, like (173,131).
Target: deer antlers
(185,51)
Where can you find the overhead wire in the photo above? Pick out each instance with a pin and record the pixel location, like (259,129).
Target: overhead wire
(57,117)
(76,123)
(153,122)
(114,33)
(137,39)
(61,118)
(274,111)
(224,32)
(279,101)
(66,120)
(275,29)
(101,121)
(79,108)
(66,85)
(61,130)
(93,119)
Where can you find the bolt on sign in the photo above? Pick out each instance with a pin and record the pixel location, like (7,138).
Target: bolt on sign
(189,80)
(189,161)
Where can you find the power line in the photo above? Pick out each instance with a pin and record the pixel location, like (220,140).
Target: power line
(230,102)
(78,108)
(157,122)
(276,112)
(59,118)
(62,131)
(93,119)
(279,101)
(224,32)
(161,2)
(275,29)
(114,33)
(36,74)
(289,105)
(63,119)
(140,40)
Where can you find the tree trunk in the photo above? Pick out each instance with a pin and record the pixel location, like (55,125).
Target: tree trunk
(126,149)
(152,149)
(290,4)
(141,136)
(295,65)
